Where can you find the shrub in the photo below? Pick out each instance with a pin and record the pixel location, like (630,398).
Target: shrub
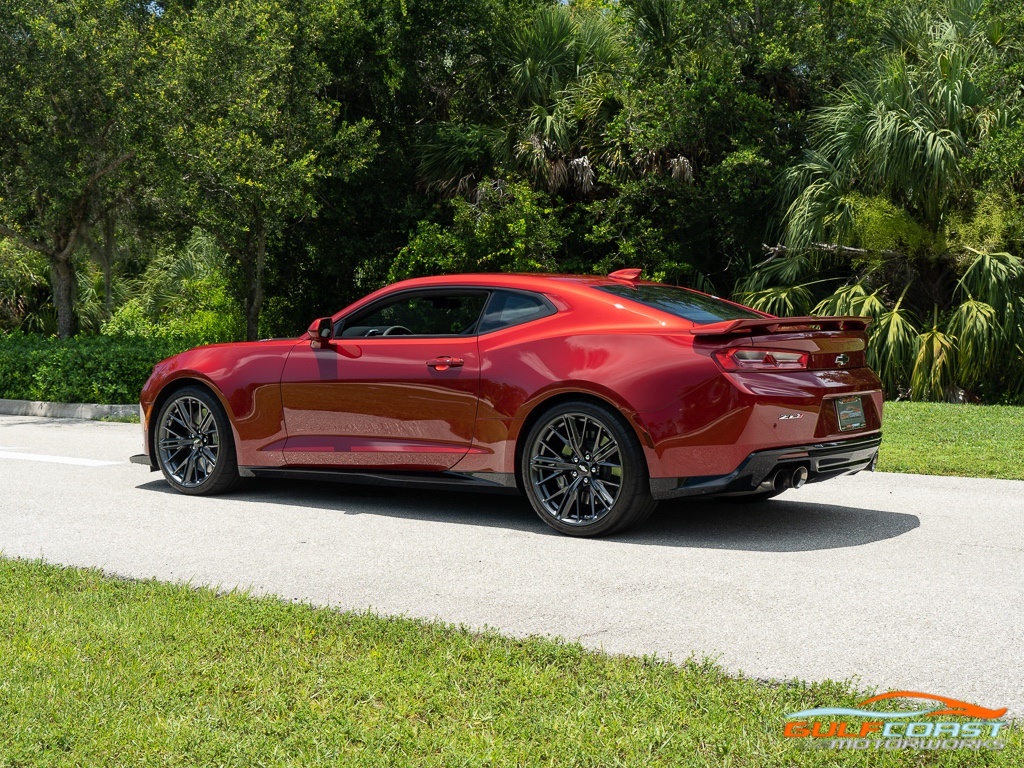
(95,369)
(183,294)
(201,326)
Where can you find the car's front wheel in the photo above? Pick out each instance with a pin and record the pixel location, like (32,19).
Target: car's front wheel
(584,471)
(194,446)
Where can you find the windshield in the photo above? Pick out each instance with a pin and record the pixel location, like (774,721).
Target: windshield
(695,307)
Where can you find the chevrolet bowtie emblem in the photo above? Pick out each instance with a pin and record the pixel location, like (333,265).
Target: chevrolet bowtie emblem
(842,360)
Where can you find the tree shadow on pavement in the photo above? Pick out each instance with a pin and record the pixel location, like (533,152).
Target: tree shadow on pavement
(767,526)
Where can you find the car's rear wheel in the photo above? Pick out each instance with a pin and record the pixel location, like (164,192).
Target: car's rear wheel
(194,446)
(584,471)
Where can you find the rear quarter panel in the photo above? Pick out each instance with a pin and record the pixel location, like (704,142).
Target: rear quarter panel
(522,369)
(691,418)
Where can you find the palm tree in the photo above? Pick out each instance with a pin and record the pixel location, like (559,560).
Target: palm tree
(559,74)
(884,176)
(901,130)
(661,28)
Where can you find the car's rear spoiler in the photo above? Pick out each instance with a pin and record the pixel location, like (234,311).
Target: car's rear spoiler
(762,325)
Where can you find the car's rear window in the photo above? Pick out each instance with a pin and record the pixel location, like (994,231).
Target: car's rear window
(508,308)
(695,307)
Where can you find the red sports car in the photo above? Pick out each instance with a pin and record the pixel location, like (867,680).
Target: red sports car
(594,396)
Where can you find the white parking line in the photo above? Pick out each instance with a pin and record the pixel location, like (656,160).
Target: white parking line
(56,459)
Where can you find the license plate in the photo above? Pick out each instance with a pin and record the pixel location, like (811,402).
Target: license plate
(850,411)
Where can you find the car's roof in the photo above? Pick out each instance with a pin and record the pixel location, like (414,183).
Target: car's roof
(579,287)
(538,281)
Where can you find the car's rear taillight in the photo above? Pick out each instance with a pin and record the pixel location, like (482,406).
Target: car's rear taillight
(753,359)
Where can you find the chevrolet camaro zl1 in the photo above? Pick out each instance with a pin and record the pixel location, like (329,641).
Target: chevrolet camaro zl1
(593,396)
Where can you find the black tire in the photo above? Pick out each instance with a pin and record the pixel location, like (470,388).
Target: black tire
(606,490)
(194,445)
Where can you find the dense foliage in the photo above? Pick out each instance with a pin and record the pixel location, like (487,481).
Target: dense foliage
(218,169)
(892,216)
(96,369)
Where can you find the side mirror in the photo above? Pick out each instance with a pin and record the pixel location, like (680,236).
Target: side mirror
(320,331)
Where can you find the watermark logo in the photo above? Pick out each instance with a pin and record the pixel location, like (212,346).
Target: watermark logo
(882,729)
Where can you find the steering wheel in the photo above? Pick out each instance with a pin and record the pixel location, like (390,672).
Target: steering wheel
(397,330)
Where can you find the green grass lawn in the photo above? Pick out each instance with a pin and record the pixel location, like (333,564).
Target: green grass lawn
(946,439)
(97,671)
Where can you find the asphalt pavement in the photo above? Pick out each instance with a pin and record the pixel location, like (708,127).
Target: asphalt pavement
(900,581)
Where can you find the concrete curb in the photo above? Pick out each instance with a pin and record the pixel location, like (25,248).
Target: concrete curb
(66,410)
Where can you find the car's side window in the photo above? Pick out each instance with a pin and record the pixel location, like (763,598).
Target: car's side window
(508,308)
(420,314)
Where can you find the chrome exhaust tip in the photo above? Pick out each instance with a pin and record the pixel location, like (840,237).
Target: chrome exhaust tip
(782,480)
(800,475)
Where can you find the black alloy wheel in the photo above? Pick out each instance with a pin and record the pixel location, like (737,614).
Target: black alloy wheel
(194,445)
(584,471)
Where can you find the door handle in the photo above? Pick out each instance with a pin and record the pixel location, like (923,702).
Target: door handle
(444,362)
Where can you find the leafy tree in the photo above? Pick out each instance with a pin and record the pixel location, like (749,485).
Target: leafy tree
(74,76)
(409,66)
(662,29)
(248,130)
(507,227)
(599,101)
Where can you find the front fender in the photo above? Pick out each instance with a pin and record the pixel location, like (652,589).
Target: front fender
(246,378)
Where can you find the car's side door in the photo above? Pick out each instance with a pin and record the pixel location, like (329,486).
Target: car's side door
(397,388)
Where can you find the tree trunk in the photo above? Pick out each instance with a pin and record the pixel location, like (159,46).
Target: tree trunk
(254,265)
(107,264)
(62,280)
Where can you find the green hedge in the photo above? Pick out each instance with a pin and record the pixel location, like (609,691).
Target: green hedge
(93,369)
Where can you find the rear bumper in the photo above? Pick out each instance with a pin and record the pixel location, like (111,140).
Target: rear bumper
(822,460)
